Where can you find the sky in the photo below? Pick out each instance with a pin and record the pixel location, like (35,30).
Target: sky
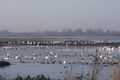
(41,15)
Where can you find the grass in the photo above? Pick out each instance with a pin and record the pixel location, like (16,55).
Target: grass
(39,77)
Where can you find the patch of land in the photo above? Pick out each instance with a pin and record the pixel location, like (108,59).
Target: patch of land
(46,41)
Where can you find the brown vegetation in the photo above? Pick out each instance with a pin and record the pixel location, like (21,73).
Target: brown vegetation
(116,74)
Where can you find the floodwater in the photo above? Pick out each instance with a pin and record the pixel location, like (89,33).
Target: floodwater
(52,60)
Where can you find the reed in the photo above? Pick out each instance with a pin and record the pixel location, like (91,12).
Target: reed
(116,74)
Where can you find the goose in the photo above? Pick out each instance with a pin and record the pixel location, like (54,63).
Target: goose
(17,57)
(46,57)
(6,58)
(55,56)
(64,62)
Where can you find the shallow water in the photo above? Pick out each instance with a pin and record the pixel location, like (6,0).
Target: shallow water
(27,65)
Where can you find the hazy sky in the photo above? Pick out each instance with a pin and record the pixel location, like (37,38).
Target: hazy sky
(35,15)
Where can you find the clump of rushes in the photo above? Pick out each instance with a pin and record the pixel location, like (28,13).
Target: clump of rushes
(4,63)
(39,77)
(1,78)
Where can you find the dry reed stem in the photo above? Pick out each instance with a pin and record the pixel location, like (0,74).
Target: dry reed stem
(116,74)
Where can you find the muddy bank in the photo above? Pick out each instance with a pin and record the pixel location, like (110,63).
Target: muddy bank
(56,41)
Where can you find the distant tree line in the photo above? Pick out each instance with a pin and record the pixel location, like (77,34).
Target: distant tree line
(64,32)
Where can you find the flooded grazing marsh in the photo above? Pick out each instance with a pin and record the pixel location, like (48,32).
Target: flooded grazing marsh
(59,62)
(61,59)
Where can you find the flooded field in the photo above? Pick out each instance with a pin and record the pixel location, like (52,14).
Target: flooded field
(60,62)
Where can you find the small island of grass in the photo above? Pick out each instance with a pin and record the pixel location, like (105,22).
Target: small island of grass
(4,63)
